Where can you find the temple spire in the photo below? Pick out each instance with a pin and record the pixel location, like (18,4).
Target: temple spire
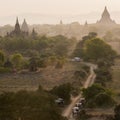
(105,7)
(61,22)
(34,34)
(106,13)
(24,26)
(86,23)
(17,27)
(17,21)
(106,19)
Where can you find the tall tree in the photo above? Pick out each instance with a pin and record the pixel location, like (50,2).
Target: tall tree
(17,60)
(2,57)
(96,49)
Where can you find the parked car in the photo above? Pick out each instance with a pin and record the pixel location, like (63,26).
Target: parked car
(79,105)
(75,111)
(82,100)
(76,59)
(59,101)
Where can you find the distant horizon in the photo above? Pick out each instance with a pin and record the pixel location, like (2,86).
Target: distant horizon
(55,6)
(39,18)
(49,9)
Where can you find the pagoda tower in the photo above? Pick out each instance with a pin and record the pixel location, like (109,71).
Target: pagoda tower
(86,23)
(106,19)
(24,27)
(61,22)
(17,27)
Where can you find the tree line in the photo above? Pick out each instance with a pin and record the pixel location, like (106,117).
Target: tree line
(28,53)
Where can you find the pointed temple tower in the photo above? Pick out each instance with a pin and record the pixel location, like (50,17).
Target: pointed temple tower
(24,27)
(61,22)
(17,27)
(106,19)
(23,31)
(34,34)
(86,23)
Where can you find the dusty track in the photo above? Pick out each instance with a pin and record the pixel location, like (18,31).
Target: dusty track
(90,80)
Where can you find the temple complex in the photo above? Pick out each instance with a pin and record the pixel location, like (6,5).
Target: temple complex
(19,31)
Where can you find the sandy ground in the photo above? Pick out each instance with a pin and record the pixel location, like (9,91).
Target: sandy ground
(47,78)
(90,80)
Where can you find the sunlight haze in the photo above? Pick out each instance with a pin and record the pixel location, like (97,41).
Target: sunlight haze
(24,8)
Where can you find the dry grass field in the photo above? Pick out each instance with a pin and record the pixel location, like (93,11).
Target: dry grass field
(47,78)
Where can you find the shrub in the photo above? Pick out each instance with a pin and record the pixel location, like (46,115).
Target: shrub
(38,105)
(79,74)
(8,64)
(17,60)
(98,96)
(2,58)
(86,68)
(5,70)
(33,64)
(63,91)
(59,64)
(104,100)
(117,112)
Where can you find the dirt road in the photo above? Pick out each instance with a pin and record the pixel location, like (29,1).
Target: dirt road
(90,80)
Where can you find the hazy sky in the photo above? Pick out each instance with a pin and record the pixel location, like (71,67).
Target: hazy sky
(10,7)
(51,11)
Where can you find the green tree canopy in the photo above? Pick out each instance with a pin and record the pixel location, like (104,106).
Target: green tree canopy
(38,105)
(62,91)
(96,49)
(79,50)
(17,60)
(97,95)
